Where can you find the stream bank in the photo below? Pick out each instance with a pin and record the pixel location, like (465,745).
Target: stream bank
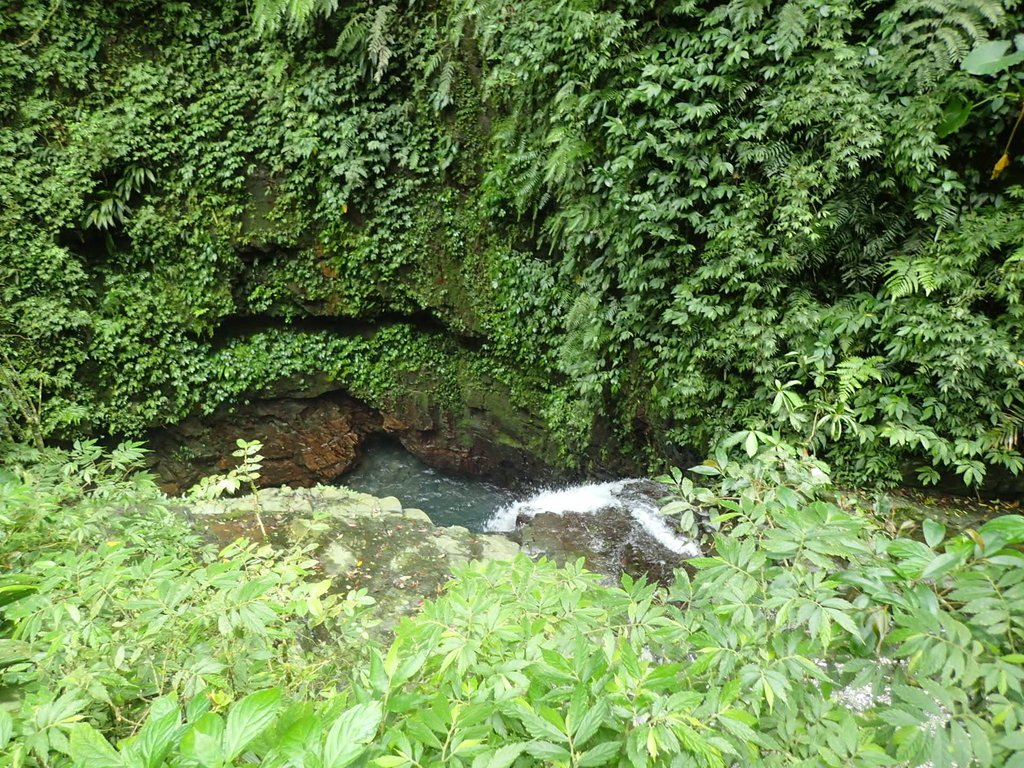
(360,541)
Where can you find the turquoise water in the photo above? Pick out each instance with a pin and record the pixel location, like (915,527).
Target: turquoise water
(387,469)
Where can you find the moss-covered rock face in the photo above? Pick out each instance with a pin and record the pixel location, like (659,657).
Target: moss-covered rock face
(360,541)
(452,415)
(195,211)
(222,218)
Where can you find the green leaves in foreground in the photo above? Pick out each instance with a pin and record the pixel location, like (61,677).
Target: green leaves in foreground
(807,636)
(858,651)
(256,728)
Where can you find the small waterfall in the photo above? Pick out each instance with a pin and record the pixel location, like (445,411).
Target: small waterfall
(590,499)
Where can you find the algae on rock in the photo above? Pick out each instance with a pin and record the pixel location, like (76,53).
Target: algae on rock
(362,542)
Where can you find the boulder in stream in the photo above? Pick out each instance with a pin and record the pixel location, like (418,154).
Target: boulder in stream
(616,527)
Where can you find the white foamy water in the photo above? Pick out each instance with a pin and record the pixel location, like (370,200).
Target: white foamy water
(591,499)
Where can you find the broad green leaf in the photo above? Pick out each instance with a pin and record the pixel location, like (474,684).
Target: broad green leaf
(14,651)
(535,724)
(601,754)
(6,727)
(505,756)
(199,705)
(350,733)
(89,749)
(158,735)
(942,565)
(545,750)
(1010,528)
(706,469)
(298,737)
(590,723)
(934,532)
(739,724)
(248,718)
(981,744)
(378,676)
(788,497)
(954,115)
(991,58)
(15,586)
(203,742)
(1014,741)
(912,556)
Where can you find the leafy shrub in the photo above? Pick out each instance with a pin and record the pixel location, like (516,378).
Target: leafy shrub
(807,636)
(129,605)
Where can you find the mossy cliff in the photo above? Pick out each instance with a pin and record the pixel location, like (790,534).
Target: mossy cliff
(266,227)
(638,229)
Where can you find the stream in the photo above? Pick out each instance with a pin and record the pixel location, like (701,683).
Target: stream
(616,525)
(387,469)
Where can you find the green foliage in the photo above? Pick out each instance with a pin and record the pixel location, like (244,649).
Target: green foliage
(808,635)
(197,174)
(656,211)
(247,472)
(847,646)
(749,193)
(119,603)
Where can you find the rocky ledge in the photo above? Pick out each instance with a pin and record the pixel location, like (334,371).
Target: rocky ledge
(397,554)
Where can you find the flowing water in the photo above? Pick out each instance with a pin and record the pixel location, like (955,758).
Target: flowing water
(592,499)
(387,469)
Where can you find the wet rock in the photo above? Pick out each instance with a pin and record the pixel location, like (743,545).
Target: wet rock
(496,548)
(337,558)
(615,527)
(611,542)
(390,504)
(483,435)
(304,442)
(361,541)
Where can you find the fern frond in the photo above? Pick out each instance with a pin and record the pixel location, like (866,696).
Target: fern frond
(908,276)
(379,48)
(441,97)
(746,14)
(437,58)
(790,31)
(352,34)
(853,373)
(269,15)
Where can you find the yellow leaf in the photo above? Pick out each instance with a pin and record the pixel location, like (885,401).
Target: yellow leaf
(1001,166)
(652,744)
(769,694)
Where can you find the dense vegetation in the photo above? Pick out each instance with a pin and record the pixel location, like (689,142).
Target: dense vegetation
(658,223)
(659,226)
(813,636)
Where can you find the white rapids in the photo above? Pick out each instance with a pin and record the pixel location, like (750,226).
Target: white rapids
(590,499)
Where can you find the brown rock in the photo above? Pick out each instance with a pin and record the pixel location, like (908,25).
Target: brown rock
(304,441)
